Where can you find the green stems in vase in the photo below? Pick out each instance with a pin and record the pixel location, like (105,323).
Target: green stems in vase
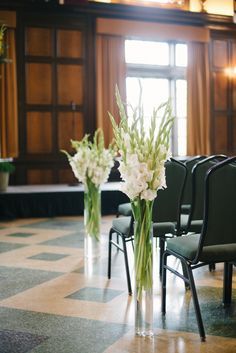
(142,210)
(92,210)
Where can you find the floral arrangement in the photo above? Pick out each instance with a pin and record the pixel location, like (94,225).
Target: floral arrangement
(91,165)
(142,167)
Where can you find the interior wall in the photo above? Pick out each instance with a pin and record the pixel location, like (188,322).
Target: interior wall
(221,7)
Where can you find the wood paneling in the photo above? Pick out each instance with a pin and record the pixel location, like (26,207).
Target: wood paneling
(70,84)
(38,41)
(223,83)
(70,126)
(38,83)
(220,57)
(69,44)
(58,52)
(221,134)
(220,82)
(66,176)
(39,176)
(39,132)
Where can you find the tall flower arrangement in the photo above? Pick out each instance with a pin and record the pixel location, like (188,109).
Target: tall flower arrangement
(142,167)
(91,165)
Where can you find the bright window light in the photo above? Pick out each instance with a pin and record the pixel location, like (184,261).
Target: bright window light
(146,53)
(181,55)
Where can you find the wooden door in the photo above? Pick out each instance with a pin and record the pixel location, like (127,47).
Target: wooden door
(57,96)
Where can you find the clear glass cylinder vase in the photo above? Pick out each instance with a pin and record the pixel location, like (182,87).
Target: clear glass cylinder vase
(143,264)
(92,220)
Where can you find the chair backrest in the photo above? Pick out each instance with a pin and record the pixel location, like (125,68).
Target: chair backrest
(219,221)
(199,173)
(187,193)
(167,204)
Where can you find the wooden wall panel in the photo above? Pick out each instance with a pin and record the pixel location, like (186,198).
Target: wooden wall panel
(39,132)
(38,41)
(233,60)
(66,176)
(38,83)
(69,44)
(70,84)
(220,57)
(220,90)
(70,126)
(39,176)
(221,134)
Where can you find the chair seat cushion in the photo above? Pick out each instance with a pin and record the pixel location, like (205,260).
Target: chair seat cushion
(187,247)
(125,209)
(122,225)
(160,229)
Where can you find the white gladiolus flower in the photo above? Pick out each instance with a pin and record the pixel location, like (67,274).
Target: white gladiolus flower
(148,195)
(91,160)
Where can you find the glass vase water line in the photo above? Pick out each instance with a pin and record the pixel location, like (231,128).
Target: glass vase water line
(143,265)
(92,220)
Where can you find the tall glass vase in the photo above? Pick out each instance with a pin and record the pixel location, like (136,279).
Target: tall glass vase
(143,264)
(92,220)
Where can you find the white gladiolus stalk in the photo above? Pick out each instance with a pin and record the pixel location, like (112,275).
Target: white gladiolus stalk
(142,169)
(91,165)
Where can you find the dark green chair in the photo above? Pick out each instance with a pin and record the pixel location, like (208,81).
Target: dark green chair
(166,216)
(167,205)
(187,193)
(123,227)
(193,221)
(217,241)
(124,209)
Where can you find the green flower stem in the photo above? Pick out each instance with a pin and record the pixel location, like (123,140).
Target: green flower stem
(92,207)
(142,210)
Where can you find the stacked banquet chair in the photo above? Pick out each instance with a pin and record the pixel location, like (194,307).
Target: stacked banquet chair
(217,240)
(192,222)
(187,193)
(166,216)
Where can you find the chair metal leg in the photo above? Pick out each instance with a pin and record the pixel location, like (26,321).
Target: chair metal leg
(163,284)
(212,267)
(185,274)
(109,254)
(161,252)
(195,302)
(127,266)
(227,286)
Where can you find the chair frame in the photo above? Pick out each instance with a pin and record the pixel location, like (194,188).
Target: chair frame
(125,239)
(190,265)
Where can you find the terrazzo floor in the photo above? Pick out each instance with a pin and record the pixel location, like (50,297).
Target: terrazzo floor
(52,300)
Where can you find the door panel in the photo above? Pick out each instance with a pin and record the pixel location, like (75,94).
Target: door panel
(38,83)
(39,132)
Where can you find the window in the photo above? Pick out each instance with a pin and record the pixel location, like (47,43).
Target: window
(161,68)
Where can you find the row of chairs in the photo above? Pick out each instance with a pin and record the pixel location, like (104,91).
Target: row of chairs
(193,218)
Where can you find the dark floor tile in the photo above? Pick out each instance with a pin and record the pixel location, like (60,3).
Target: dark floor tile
(67,334)
(57,224)
(20,235)
(4,247)
(19,342)
(70,241)
(101,295)
(217,320)
(16,280)
(47,256)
